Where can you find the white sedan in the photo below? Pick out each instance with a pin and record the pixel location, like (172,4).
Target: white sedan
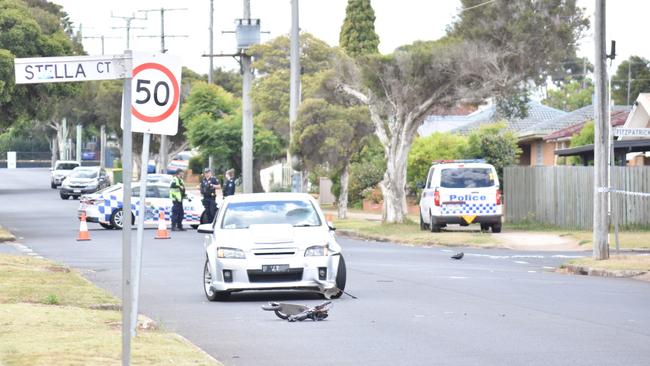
(105,207)
(270,241)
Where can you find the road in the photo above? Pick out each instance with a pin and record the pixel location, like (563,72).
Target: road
(413,305)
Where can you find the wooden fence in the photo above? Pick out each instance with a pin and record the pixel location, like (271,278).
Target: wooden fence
(563,195)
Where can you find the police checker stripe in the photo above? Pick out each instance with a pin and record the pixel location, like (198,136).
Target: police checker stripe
(469,208)
(152,213)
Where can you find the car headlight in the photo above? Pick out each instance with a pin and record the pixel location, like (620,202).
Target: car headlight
(230,253)
(317,251)
(64,183)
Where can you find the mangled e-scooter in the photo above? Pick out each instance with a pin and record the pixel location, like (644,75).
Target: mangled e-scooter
(295,312)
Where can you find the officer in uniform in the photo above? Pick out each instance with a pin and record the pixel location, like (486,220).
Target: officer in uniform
(177,193)
(208,185)
(229,184)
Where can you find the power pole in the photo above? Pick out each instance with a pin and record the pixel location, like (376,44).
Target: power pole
(294,86)
(601,137)
(629,80)
(211,46)
(162,152)
(128,27)
(247,108)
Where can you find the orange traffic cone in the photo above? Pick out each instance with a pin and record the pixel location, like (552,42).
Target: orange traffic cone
(83,229)
(162,232)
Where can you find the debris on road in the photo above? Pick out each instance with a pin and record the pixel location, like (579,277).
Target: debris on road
(295,312)
(458,255)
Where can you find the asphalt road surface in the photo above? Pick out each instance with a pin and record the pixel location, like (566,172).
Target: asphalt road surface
(411,305)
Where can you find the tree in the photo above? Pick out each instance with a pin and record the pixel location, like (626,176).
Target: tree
(328,134)
(495,144)
(570,96)
(425,150)
(358,36)
(402,89)
(639,82)
(538,38)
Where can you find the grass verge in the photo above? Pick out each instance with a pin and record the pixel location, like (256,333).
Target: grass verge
(6,235)
(615,263)
(46,319)
(410,233)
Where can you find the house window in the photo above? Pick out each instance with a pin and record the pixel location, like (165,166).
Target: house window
(538,154)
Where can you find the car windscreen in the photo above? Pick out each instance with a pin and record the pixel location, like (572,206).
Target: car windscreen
(467,178)
(241,215)
(65,166)
(83,174)
(109,189)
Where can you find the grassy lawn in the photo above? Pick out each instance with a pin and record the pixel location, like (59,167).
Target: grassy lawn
(411,233)
(46,320)
(616,262)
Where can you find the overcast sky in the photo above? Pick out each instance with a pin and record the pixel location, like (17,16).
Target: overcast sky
(398,22)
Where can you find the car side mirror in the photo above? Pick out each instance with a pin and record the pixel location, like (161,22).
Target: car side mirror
(330,225)
(420,185)
(205,229)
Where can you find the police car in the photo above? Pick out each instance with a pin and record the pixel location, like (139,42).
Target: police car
(105,207)
(461,192)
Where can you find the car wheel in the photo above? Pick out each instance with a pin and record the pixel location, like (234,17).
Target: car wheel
(423,225)
(435,228)
(107,226)
(341,278)
(485,228)
(194,226)
(52,185)
(496,228)
(117,219)
(64,196)
(210,293)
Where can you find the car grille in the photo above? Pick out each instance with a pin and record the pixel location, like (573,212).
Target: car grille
(292,275)
(275,252)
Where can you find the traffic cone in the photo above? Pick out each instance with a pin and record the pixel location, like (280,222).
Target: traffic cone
(83,229)
(162,232)
(329,217)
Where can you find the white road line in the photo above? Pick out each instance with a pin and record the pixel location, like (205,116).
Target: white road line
(520,262)
(457,277)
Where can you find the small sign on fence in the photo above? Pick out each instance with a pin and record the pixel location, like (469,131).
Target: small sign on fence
(635,132)
(11,160)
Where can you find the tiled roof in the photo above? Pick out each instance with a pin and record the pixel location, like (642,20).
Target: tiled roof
(439,123)
(569,119)
(618,118)
(537,113)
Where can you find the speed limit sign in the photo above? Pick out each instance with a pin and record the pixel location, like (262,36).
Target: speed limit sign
(155,93)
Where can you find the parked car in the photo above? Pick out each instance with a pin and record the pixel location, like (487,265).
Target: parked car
(106,208)
(62,169)
(180,161)
(160,178)
(84,180)
(461,192)
(267,241)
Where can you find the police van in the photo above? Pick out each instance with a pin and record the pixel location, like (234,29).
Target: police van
(461,192)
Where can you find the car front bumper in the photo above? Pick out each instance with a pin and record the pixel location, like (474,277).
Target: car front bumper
(78,191)
(303,273)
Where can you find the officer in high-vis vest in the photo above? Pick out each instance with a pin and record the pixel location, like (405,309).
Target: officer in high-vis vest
(177,193)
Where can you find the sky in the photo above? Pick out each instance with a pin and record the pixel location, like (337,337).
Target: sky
(397,23)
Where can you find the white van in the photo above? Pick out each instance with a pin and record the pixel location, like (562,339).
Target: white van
(461,192)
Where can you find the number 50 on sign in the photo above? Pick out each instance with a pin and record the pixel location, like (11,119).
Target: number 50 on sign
(155,93)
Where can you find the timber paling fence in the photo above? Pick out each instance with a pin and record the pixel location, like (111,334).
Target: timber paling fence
(563,196)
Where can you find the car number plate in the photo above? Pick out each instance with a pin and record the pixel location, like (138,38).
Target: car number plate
(77,191)
(454,206)
(272,268)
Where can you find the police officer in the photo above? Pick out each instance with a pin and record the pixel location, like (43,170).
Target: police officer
(177,193)
(229,184)
(208,185)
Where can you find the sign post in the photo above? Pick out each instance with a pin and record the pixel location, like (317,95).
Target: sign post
(152,108)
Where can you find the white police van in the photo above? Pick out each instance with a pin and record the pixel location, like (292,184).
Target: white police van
(461,192)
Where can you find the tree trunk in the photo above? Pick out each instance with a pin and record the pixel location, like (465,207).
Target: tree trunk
(393,188)
(257,181)
(54,149)
(343,196)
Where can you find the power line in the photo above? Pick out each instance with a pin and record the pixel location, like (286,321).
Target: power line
(476,6)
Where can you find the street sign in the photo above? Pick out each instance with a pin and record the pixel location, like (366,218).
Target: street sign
(636,132)
(155,97)
(70,68)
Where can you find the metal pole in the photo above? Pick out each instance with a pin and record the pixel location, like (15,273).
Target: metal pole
(162,30)
(601,137)
(137,272)
(78,143)
(128,34)
(102,37)
(126,223)
(247,118)
(629,80)
(162,150)
(102,146)
(294,86)
(211,40)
